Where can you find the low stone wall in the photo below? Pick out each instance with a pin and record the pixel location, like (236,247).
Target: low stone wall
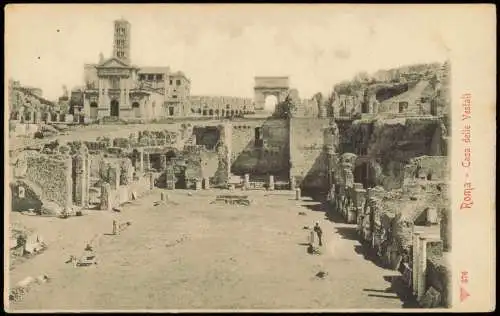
(53,175)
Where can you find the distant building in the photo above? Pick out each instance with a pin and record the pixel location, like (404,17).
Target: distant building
(115,87)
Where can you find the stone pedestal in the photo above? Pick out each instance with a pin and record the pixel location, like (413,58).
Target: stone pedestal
(297,194)
(206,183)
(271,182)
(246,182)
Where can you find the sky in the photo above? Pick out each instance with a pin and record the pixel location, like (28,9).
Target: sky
(221,48)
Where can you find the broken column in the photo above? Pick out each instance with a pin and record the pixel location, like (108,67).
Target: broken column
(106,198)
(271,182)
(36,117)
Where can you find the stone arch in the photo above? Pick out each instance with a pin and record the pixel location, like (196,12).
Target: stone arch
(265,86)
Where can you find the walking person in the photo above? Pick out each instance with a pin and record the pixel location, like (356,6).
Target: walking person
(319,232)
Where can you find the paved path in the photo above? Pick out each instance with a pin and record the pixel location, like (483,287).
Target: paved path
(193,254)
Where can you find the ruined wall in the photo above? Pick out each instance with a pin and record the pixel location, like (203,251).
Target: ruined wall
(308,160)
(270,156)
(53,175)
(392,143)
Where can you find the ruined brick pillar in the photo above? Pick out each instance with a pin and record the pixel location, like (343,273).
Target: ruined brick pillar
(30,117)
(36,117)
(415,261)
(206,183)
(114,176)
(48,119)
(198,184)
(106,202)
(163,162)
(271,182)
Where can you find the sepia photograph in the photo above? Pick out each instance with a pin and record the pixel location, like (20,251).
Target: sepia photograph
(239,157)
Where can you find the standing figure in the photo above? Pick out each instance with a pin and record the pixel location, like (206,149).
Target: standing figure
(318,232)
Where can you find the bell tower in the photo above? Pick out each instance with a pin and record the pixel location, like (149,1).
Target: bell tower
(121,42)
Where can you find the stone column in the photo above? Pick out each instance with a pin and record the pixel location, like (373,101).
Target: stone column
(163,162)
(271,182)
(141,161)
(69,182)
(151,181)
(106,197)
(422,267)
(206,183)
(415,261)
(80,192)
(147,162)
(49,118)
(292,183)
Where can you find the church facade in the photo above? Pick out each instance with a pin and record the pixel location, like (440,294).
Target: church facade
(116,88)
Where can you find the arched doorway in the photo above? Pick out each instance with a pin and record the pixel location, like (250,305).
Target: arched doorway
(115,108)
(93,110)
(137,109)
(270,103)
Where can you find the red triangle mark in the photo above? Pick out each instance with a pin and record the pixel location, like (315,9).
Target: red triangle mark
(463,294)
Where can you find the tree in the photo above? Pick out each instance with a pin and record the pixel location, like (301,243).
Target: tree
(286,108)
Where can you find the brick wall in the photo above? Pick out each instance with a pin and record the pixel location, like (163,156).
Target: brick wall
(271,157)
(53,175)
(307,153)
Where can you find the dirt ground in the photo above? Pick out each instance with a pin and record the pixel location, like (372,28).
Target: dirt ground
(190,254)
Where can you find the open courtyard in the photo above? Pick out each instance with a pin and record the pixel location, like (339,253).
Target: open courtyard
(190,254)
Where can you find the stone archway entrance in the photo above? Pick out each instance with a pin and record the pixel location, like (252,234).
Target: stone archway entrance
(115,108)
(266,86)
